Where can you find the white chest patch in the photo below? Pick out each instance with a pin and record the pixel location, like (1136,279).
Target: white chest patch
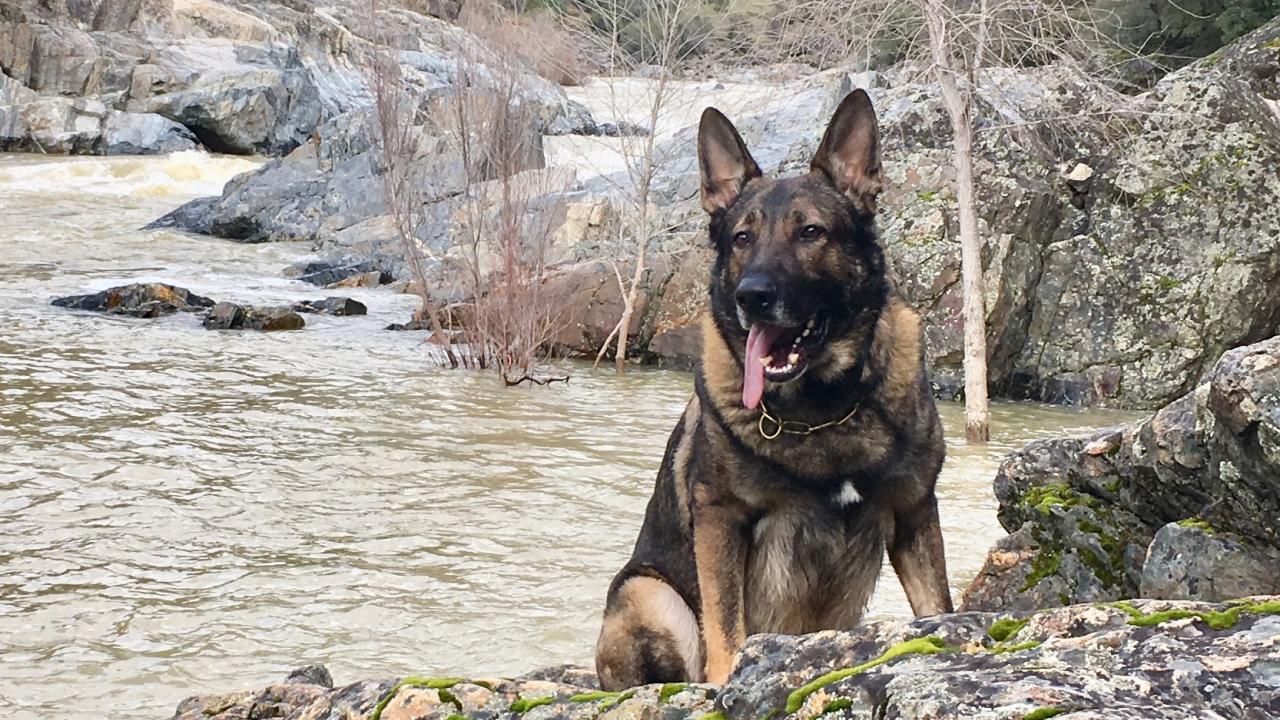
(848,495)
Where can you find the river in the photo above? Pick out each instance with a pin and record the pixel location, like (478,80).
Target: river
(189,511)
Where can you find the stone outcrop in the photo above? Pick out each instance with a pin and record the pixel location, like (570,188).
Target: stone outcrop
(154,76)
(1185,505)
(1139,660)
(144,300)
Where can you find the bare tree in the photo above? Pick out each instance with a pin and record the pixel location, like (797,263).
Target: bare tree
(956,41)
(959,107)
(398,120)
(657,37)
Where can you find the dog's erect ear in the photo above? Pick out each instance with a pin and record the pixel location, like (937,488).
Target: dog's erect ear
(849,154)
(723,160)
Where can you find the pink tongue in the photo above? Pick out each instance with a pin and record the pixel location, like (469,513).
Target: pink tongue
(759,339)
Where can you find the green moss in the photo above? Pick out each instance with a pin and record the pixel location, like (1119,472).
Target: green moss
(1216,619)
(1167,283)
(837,705)
(446,696)
(1044,498)
(1046,562)
(771,714)
(919,646)
(521,706)
(414,682)
(717,715)
(1198,524)
(1272,44)
(1001,648)
(1114,486)
(457,716)
(617,699)
(670,690)
(1005,628)
(1043,713)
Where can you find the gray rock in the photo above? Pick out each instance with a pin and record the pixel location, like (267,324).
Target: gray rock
(230,316)
(325,273)
(1143,660)
(331,306)
(1124,513)
(146,300)
(1190,560)
(126,133)
(311,675)
(254,78)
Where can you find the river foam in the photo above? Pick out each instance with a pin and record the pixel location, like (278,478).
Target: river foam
(184,174)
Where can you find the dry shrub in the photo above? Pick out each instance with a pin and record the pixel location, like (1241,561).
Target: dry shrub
(536,39)
(484,136)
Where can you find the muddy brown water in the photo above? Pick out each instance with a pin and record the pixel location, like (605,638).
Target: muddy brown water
(189,511)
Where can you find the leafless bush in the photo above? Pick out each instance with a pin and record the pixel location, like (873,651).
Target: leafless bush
(484,133)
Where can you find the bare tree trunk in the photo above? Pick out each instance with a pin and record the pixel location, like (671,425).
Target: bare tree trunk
(628,306)
(959,107)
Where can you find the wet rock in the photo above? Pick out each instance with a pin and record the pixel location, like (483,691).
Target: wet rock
(1183,505)
(311,675)
(230,316)
(332,306)
(1145,660)
(145,300)
(372,278)
(325,274)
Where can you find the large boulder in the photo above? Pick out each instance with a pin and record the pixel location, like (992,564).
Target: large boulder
(1146,659)
(1185,505)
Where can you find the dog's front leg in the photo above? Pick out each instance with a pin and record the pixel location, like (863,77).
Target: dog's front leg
(720,536)
(917,556)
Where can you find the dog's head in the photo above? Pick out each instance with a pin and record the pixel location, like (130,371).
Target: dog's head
(798,269)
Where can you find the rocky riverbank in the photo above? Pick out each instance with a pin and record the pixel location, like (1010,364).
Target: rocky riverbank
(1185,505)
(1131,239)
(1145,659)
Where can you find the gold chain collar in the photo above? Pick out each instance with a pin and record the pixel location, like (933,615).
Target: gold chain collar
(795,427)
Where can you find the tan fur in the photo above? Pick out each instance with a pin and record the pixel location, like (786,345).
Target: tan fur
(651,604)
(724,626)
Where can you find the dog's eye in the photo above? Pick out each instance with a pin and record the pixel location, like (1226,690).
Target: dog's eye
(742,239)
(811,232)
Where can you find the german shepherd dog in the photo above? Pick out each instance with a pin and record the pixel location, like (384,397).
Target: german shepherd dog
(812,443)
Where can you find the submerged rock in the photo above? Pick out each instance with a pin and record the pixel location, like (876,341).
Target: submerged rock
(331,306)
(144,300)
(230,316)
(1146,659)
(1183,505)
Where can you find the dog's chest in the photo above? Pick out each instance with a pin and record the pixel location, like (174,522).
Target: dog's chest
(812,565)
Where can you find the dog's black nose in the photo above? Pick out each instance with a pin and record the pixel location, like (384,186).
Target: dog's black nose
(756,294)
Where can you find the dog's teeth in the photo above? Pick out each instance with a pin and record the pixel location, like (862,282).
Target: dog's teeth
(793,358)
(804,334)
(766,361)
